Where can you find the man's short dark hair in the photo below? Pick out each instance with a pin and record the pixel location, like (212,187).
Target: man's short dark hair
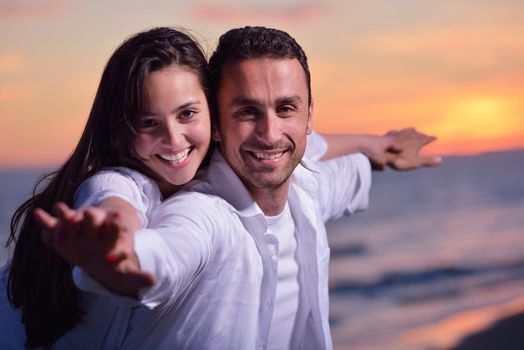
(246,43)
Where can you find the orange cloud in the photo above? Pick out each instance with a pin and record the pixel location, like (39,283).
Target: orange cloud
(44,8)
(259,12)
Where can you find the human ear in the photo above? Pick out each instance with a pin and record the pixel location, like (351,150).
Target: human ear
(309,128)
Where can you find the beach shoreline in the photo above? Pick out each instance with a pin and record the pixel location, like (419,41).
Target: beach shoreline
(493,327)
(506,334)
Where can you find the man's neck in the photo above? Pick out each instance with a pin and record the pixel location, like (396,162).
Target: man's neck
(271,201)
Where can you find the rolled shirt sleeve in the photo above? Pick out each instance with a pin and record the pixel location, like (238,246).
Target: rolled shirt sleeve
(344,185)
(131,186)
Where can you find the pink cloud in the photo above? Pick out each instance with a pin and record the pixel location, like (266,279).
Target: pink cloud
(26,8)
(296,12)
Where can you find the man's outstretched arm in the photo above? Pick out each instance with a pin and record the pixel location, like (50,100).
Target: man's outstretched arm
(399,150)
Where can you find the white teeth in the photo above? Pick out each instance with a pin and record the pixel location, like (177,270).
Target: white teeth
(176,158)
(268,156)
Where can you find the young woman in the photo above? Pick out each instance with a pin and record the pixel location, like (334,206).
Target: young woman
(151,115)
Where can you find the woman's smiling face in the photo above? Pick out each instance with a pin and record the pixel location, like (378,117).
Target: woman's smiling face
(174,132)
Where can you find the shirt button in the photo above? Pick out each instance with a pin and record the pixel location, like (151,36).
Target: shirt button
(269,303)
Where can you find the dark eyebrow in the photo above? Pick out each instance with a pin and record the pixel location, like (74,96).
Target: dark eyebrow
(179,108)
(186,105)
(289,100)
(246,101)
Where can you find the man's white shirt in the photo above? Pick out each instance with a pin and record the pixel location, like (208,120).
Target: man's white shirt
(217,281)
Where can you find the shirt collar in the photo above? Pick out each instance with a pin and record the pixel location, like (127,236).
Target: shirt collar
(220,180)
(304,176)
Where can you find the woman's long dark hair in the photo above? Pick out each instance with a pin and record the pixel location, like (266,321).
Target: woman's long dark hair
(39,281)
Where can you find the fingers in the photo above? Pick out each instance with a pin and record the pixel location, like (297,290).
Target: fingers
(93,221)
(392,132)
(55,228)
(64,213)
(68,223)
(429,161)
(44,219)
(413,142)
(119,251)
(114,258)
(113,227)
(404,139)
(48,222)
(119,238)
(408,131)
(428,139)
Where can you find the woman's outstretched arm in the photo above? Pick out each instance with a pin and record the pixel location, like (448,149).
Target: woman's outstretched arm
(100,240)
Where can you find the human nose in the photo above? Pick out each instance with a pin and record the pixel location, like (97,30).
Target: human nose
(268,128)
(173,134)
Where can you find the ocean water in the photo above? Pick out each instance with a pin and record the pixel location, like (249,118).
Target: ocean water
(438,255)
(16,186)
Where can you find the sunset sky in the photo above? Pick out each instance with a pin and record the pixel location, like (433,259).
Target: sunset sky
(451,68)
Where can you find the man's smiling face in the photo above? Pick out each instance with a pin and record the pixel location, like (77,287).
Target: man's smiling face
(264,117)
